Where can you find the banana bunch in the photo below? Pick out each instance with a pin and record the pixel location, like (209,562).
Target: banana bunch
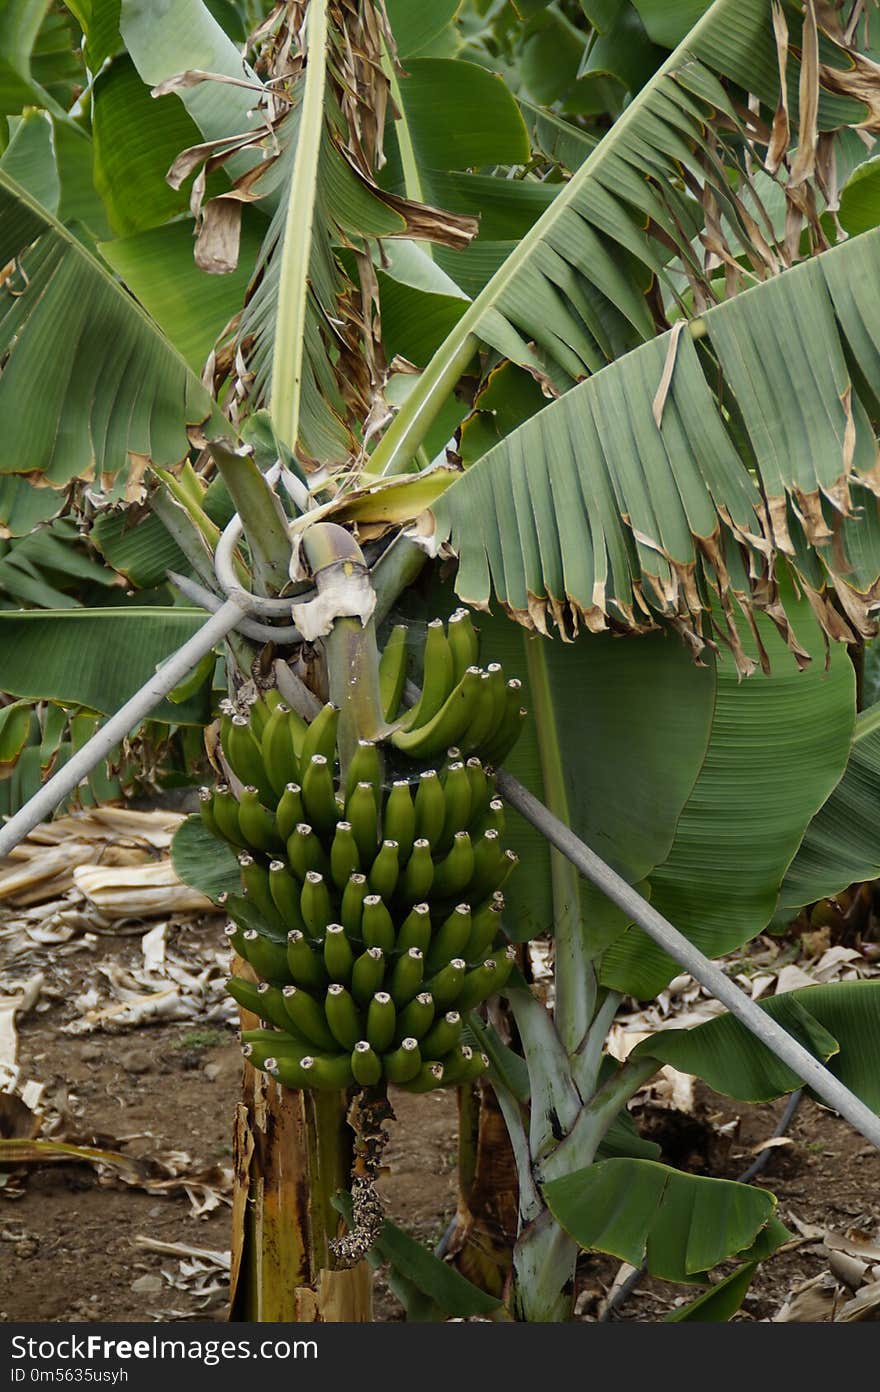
(370,914)
(461,704)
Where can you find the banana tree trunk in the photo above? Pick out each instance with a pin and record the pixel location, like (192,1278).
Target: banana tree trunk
(482,1239)
(291,1151)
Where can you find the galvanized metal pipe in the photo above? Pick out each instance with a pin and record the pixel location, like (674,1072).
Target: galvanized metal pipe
(117,726)
(701,968)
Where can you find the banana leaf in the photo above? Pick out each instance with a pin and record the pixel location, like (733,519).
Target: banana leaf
(839,1023)
(841,845)
(88,380)
(96,658)
(681,1224)
(204,862)
(779,744)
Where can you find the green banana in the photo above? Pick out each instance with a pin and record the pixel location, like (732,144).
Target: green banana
(447,983)
(406,976)
(463,642)
(418,874)
(206,812)
(502,741)
(308,1018)
(365,1064)
(342,1016)
(445,727)
(246,760)
(480,789)
(261,999)
(286,891)
(289,811)
(270,1006)
(315,904)
(345,858)
(417,1017)
(437,679)
(458,1064)
(352,908)
(257,825)
(492,817)
(399,818)
(511,860)
(453,873)
(403,1063)
(255,882)
(377,925)
(270,1041)
(319,796)
(234,937)
(266,955)
(365,767)
(320,737)
(381,1020)
(385,870)
(323,1072)
(487,979)
(478,984)
(475,1068)
(367,974)
(457,792)
(276,746)
(338,956)
(305,852)
(506,962)
(306,967)
(256,711)
(392,671)
(429,1076)
(430,806)
(490,709)
(451,938)
(225,811)
(485,927)
(258,1046)
(415,930)
(362,811)
(489,865)
(443,1035)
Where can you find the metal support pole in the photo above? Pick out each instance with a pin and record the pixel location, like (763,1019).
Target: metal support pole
(136,708)
(756,1020)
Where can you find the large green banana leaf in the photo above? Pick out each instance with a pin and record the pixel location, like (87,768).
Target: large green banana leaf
(587,281)
(841,846)
(626,777)
(190,306)
(95,658)
(640,492)
(839,1023)
(694,784)
(778,746)
(682,1225)
(87,379)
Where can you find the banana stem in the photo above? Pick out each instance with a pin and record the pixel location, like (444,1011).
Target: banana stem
(574,976)
(341,575)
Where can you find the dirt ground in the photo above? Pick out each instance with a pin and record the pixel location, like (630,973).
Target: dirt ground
(69,1243)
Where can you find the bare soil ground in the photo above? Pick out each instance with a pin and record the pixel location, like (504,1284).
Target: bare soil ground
(69,1243)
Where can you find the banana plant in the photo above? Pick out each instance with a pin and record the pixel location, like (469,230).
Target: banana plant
(662,392)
